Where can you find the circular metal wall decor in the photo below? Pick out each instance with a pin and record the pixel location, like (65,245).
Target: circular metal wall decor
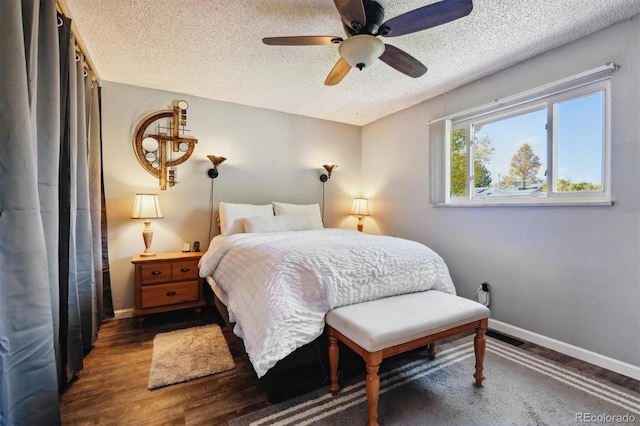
(160,143)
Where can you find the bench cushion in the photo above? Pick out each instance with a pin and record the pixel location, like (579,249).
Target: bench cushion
(382,323)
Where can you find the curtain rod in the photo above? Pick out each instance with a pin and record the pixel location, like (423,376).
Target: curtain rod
(62,8)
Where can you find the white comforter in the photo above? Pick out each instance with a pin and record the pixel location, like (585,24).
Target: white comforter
(281,285)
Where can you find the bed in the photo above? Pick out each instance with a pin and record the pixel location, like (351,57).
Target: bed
(276,271)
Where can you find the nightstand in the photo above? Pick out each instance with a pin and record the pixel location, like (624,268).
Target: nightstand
(167,282)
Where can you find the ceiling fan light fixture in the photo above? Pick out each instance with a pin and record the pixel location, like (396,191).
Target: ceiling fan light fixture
(361,50)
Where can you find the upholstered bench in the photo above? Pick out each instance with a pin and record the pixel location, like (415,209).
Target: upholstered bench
(385,327)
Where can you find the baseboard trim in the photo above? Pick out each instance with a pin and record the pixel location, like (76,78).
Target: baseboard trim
(594,358)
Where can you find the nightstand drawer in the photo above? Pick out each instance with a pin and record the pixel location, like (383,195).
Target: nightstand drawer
(169,294)
(185,270)
(155,273)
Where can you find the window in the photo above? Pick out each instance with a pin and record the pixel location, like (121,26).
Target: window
(549,146)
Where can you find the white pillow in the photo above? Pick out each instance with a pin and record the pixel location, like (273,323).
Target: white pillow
(281,209)
(294,222)
(231,215)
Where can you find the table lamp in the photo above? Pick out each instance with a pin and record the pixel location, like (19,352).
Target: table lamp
(360,209)
(146,206)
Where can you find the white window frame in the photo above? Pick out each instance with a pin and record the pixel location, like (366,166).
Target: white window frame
(546,97)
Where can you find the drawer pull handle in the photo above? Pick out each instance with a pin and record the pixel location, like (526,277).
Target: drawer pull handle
(156,273)
(171,293)
(185,270)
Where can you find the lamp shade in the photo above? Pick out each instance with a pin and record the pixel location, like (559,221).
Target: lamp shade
(361,50)
(360,207)
(146,206)
(216,160)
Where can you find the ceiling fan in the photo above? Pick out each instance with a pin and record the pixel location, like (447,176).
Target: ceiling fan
(363,23)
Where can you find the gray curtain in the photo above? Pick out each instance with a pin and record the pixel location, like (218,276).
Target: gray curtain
(94,156)
(74,338)
(29,134)
(51,210)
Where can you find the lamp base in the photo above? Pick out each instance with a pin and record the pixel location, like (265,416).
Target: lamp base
(147,236)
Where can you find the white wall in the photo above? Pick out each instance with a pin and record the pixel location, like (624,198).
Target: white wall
(567,273)
(271,156)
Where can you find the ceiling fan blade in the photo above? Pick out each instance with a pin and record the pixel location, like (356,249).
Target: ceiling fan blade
(352,13)
(338,72)
(402,61)
(301,40)
(426,17)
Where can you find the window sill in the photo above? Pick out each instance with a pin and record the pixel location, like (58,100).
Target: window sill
(532,203)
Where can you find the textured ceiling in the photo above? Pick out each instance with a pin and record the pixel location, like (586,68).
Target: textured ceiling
(213,49)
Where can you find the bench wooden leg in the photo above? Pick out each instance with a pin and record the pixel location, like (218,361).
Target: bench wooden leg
(373,360)
(334,387)
(479,344)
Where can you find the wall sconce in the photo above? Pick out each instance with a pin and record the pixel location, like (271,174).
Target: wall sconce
(216,160)
(329,168)
(360,209)
(146,206)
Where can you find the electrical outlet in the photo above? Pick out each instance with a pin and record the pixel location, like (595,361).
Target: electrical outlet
(483,294)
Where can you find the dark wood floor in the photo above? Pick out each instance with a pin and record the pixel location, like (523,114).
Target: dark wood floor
(112,387)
